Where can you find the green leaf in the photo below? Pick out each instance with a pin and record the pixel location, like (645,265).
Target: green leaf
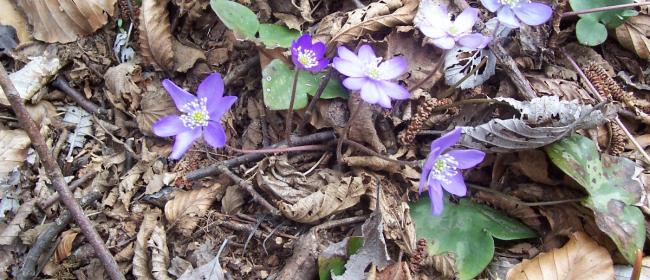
(465,229)
(277,80)
(277,36)
(335,265)
(613,186)
(590,32)
(612,18)
(237,17)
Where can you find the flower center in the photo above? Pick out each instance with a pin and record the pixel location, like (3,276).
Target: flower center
(307,57)
(197,113)
(453,31)
(513,3)
(445,167)
(372,69)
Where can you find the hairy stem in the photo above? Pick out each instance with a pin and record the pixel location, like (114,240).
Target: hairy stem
(312,103)
(603,9)
(287,129)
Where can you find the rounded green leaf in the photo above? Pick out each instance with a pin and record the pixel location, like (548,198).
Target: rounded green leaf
(612,18)
(590,32)
(277,36)
(465,229)
(236,17)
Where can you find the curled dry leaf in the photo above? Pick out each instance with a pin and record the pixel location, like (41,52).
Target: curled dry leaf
(34,75)
(63,21)
(185,209)
(363,128)
(580,258)
(159,253)
(633,35)
(129,182)
(422,59)
(15,227)
(119,81)
(12,17)
(64,249)
(155,104)
(185,56)
(155,37)
(141,267)
(13,150)
(233,200)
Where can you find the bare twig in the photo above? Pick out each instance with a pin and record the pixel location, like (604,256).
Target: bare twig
(44,204)
(603,9)
(89,106)
(509,66)
(287,127)
(280,150)
(240,70)
(518,201)
(250,189)
(56,176)
(373,153)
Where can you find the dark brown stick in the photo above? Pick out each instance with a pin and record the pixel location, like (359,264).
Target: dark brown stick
(56,177)
(509,66)
(240,70)
(251,190)
(287,127)
(63,85)
(280,150)
(373,153)
(44,204)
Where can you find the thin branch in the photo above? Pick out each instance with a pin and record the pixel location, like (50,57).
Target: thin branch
(312,103)
(86,104)
(56,176)
(518,201)
(250,189)
(604,9)
(373,153)
(287,127)
(280,149)
(46,203)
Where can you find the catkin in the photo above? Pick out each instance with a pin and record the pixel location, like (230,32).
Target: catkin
(423,113)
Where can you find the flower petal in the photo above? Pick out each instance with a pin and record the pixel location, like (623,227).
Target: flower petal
(445,42)
(322,64)
(474,41)
(168,126)
(507,17)
(303,41)
(366,54)
(435,194)
(220,106)
(432,19)
(214,134)
(354,83)
(433,31)
(533,13)
(466,20)
(319,49)
(491,5)
(384,100)
(426,169)
(392,68)
(455,185)
(348,67)
(211,87)
(183,142)
(346,54)
(370,92)
(467,158)
(179,95)
(446,141)
(393,90)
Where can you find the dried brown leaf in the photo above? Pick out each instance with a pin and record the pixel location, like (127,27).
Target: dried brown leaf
(12,17)
(422,59)
(155,37)
(159,253)
(155,104)
(233,200)
(633,35)
(141,267)
(185,56)
(185,209)
(119,81)
(63,21)
(362,128)
(13,149)
(64,249)
(11,231)
(33,76)
(580,258)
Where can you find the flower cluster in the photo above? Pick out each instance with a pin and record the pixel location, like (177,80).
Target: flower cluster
(443,170)
(434,22)
(307,55)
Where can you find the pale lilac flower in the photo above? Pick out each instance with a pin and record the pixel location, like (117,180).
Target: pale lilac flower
(307,55)
(512,12)
(442,171)
(434,22)
(201,115)
(373,78)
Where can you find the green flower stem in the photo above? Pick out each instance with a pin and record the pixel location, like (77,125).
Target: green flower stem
(604,9)
(287,130)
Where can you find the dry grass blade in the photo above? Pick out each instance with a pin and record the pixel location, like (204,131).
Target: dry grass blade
(580,258)
(184,210)
(155,36)
(633,35)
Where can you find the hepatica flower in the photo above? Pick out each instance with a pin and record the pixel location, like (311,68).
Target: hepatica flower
(512,12)
(434,22)
(368,74)
(307,55)
(201,115)
(443,171)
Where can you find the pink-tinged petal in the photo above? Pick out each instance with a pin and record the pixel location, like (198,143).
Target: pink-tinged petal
(183,142)
(446,42)
(392,68)
(491,5)
(214,134)
(446,141)
(348,67)
(319,49)
(384,100)
(533,13)
(435,194)
(474,41)
(346,54)
(507,17)
(179,95)
(432,19)
(467,158)
(426,169)
(168,126)
(466,20)
(370,92)
(211,87)
(394,90)
(432,31)
(455,185)
(354,83)
(218,108)
(366,54)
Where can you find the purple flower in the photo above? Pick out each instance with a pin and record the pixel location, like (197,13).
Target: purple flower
(511,12)
(434,22)
(373,78)
(443,170)
(308,56)
(201,115)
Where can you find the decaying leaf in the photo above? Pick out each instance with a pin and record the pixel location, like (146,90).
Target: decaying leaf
(120,82)
(81,120)
(460,61)
(633,35)
(29,79)
(233,200)
(13,150)
(185,56)
(155,104)
(580,258)
(12,17)
(64,249)
(159,253)
(129,183)
(566,90)
(185,209)
(155,34)
(209,271)
(543,121)
(11,231)
(363,128)
(63,21)
(422,59)
(141,267)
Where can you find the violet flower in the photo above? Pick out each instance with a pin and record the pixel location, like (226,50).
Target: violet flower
(511,12)
(434,22)
(373,78)
(442,171)
(307,55)
(201,115)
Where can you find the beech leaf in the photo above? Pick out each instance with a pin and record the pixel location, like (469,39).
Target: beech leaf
(184,210)
(13,150)
(141,268)
(633,35)
(155,37)
(159,253)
